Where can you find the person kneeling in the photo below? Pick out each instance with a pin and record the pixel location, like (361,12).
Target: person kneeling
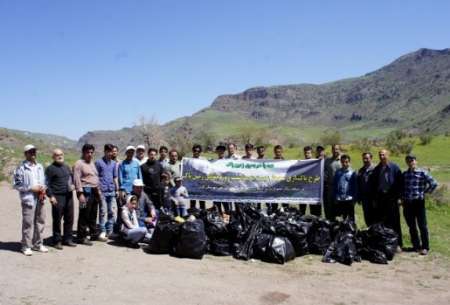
(131,230)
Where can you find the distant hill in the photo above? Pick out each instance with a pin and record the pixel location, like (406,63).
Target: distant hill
(411,93)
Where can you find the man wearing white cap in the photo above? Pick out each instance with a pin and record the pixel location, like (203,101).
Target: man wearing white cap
(29,180)
(146,211)
(129,170)
(140,154)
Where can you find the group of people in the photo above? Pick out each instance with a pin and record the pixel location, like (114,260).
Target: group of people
(125,197)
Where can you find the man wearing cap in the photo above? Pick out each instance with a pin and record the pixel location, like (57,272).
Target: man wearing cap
(109,186)
(60,191)
(86,181)
(29,180)
(386,185)
(146,212)
(129,170)
(416,182)
(140,154)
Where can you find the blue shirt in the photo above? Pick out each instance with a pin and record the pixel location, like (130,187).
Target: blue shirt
(416,183)
(345,184)
(106,174)
(128,172)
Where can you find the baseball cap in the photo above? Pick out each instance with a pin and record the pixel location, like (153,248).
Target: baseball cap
(140,147)
(130,147)
(28,147)
(178,178)
(138,182)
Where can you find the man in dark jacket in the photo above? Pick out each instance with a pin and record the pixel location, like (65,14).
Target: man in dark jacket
(151,174)
(364,190)
(60,191)
(386,185)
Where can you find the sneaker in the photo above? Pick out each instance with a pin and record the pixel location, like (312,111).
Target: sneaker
(423,252)
(40,248)
(27,251)
(102,237)
(85,242)
(58,246)
(69,243)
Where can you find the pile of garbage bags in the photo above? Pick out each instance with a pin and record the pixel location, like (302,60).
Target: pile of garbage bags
(248,233)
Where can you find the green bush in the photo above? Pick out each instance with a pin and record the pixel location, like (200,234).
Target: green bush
(425,139)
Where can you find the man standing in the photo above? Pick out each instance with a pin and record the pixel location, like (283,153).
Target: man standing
(232,152)
(364,191)
(174,165)
(386,184)
(85,177)
(261,150)
(345,190)
(320,152)
(277,155)
(151,175)
(248,152)
(109,187)
(416,182)
(29,180)
(221,206)
(332,164)
(314,209)
(129,170)
(196,154)
(140,155)
(163,152)
(60,191)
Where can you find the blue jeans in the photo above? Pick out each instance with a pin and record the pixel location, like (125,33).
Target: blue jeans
(181,210)
(135,235)
(108,212)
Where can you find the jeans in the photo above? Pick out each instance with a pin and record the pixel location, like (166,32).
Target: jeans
(33,224)
(62,209)
(181,210)
(135,235)
(415,216)
(108,212)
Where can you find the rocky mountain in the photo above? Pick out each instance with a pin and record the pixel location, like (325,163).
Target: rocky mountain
(412,93)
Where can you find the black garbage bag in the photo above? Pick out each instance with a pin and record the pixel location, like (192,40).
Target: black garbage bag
(279,250)
(342,250)
(384,239)
(245,250)
(164,237)
(373,255)
(261,244)
(195,212)
(192,240)
(319,236)
(296,232)
(221,247)
(215,226)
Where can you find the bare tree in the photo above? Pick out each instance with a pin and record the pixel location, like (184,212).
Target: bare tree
(150,131)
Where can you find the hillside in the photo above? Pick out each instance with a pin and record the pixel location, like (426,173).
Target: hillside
(412,93)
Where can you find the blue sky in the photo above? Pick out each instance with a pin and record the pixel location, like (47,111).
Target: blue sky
(67,67)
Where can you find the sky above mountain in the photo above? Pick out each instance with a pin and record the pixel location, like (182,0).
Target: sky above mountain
(67,67)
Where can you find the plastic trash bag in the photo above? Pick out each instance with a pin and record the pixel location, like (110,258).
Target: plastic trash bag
(279,250)
(342,250)
(319,236)
(215,226)
(384,239)
(191,242)
(220,247)
(245,250)
(297,233)
(164,237)
(261,244)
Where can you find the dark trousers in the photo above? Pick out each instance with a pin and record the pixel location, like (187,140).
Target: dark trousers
(63,209)
(415,216)
(388,212)
(222,207)
(201,203)
(328,203)
(346,209)
(370,213)
(314,209)
(87,218)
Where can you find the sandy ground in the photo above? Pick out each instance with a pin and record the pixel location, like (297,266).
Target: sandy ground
(109,274)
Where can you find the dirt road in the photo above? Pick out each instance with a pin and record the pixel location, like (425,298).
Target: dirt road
(108,274)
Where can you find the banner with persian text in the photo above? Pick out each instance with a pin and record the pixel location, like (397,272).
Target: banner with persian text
(243,180)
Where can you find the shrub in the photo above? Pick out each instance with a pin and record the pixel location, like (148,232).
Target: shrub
(330,138)
(440,196)
(425,139)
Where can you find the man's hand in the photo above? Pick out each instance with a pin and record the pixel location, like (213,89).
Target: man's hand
(148,220)
(36,188)
(81,198)
(53,201)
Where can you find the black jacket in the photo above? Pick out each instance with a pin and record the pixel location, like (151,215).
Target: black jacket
(395,176)
(151,174)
